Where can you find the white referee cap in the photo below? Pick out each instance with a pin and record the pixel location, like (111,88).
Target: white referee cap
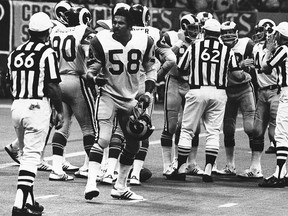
(40,22)
(282,28)
(212,25)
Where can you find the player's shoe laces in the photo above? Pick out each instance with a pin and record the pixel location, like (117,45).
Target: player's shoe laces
(81,173)
(28,210)
(67,166)
(251,174)
(194,170)
(13,153)
(91,191)
(44,166)
(108,180)
(134,181)
(228,171)
(273,182)
(60,176)
(125,194)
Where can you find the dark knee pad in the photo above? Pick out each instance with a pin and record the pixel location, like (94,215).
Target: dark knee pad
(58,144)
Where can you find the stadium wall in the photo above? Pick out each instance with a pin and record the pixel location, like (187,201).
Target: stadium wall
(15,15)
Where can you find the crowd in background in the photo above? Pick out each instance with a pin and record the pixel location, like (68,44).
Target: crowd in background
(203,5)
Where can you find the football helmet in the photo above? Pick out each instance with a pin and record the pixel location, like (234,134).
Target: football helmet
(263,29)
(203,16)
(123,9)
(78,16)
(140,14)
(229,33)
(190,26)
(139,124)
(59,9)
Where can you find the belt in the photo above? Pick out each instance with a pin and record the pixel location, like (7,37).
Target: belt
(270,87)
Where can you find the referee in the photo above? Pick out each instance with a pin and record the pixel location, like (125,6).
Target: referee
(207,64)
(34,78)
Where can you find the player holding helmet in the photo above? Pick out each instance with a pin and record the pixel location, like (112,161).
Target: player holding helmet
(72,44)
(119,55)
(268,100)
(240,93)
(141,18)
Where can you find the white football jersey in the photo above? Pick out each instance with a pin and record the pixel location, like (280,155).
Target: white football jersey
(121,64)
(72,47)
(242,50)
(262,78)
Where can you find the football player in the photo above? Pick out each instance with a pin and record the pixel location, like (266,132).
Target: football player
(276,56)
(141,16)
(240,94)
(72,44)
(268,99)
(175,91)
(118,54)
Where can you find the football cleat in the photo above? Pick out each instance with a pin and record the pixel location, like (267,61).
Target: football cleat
(91,191)
(44,166)
(194,170)
(81,173)
(273,182)
(125,194)
(135,181)
(227,171)
(108,180)
(13,153)
(251,174)
(60,176)
(67,166)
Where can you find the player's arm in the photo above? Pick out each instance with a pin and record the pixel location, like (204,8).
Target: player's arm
(150,68)
(184,62)
(96,61)
(248,63)
(88,35)
(234,68)
(53,88)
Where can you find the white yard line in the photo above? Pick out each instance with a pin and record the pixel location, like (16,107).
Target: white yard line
(227,205)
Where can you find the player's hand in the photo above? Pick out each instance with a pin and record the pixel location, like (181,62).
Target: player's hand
(59,121)
(271,43)
(145,100)
(247,63)
(181,35)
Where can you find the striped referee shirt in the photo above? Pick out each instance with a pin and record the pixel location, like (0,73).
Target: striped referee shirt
(207,62)
(32,66)
(280,61)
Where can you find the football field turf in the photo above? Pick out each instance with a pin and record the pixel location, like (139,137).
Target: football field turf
(225,196)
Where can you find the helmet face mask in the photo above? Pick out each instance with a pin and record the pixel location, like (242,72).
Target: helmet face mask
(263,30)
(190,26)
(229,33)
